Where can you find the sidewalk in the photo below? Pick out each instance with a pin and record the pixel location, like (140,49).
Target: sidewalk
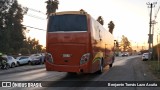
(21,69)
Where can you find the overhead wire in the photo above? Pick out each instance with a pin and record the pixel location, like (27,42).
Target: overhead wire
(36,10)
(34,28)
(34,16)
(157,11)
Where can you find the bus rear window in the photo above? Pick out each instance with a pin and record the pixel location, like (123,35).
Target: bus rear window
(67,22)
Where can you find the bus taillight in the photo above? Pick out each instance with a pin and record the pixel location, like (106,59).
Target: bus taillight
(85,58)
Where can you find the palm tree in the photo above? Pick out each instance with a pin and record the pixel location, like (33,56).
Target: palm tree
(51,6)
(100,20)
(111,26)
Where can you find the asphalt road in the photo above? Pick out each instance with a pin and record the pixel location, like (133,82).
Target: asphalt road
(130,68)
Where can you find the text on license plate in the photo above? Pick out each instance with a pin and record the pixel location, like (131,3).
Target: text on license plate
(66,55)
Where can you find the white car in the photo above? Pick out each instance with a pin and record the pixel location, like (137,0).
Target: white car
(36,59)
(145,56)
(22,60)
(10,61)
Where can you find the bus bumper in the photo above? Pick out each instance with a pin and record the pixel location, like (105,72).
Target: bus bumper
(66,68)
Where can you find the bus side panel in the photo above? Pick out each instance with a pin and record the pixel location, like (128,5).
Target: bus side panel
(108,45)
(102,46)
(95,44)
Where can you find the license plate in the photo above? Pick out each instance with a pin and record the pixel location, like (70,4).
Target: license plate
(66,55)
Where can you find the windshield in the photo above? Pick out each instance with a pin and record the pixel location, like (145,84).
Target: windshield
(67,22)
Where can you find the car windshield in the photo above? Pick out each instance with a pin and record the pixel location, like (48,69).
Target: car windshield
(67,22)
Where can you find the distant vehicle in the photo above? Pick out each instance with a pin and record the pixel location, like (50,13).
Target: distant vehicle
(77,43)
(139,53)
(36,59)
(145,56)
(22,60)
(11,62)
(125,54)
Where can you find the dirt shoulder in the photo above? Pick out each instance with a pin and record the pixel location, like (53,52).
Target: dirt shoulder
(152,67)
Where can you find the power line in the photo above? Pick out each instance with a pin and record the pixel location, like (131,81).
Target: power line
(34,28)
(36,10)
(157,11)
(34,16)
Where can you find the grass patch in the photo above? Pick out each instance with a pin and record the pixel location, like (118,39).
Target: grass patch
(153,66)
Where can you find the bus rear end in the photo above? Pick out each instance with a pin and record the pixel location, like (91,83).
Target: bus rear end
(68,43)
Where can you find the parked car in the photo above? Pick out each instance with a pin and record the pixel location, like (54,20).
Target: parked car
(11,62)
(43,57)
(36,59)
(22,60)
(145,56)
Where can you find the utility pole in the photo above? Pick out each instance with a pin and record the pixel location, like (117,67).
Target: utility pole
(158,50)
(150,39)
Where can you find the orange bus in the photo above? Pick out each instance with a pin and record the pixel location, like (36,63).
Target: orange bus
(75,42)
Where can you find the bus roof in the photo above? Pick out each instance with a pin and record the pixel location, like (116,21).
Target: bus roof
(69,12)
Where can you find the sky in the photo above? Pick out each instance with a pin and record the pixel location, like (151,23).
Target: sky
(131,17)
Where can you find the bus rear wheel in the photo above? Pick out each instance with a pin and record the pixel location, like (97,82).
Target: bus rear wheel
(72,73)
(100,67)
(110,65)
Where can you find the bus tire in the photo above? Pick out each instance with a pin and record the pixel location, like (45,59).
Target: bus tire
(110,65)
(101,67)
(72,73)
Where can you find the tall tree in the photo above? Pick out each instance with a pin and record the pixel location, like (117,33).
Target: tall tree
(32,46)
(51,6)
(111,26)
(125,44)
(11,28)
(100,20)
(4,6)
